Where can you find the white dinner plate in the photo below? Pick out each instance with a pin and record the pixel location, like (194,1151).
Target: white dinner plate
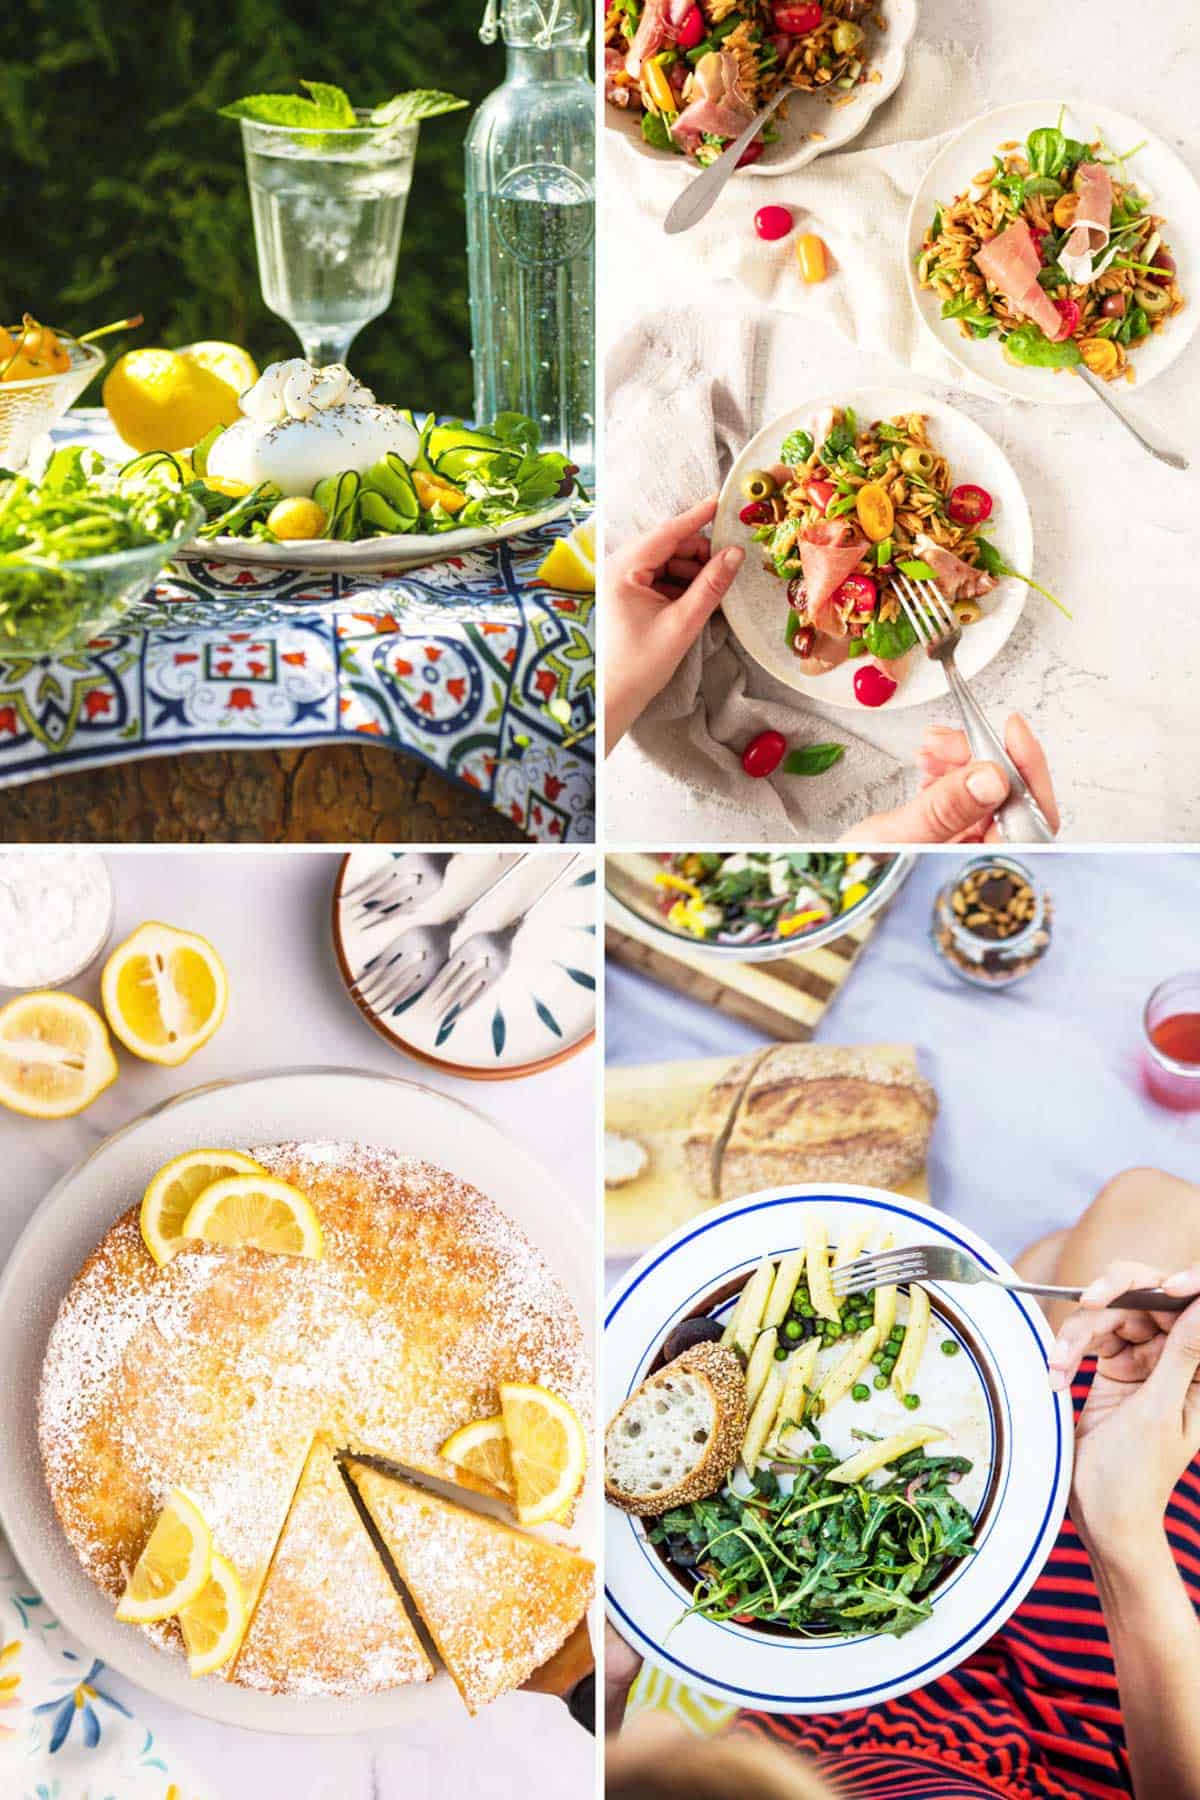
(1172,191)
(294,1104)
(1017,1520)
(795,147)
(402,550)
(756,605)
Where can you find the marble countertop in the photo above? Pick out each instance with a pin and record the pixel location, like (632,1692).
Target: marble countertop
(268,914)
(1109,690)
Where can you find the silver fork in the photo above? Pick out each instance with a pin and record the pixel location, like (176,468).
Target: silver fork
(407,965)
(480,960)
(1020,820)
(406,881)
(936,1262)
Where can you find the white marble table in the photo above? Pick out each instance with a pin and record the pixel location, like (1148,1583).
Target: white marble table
(1111,692)
(268,913)
(1039,1099)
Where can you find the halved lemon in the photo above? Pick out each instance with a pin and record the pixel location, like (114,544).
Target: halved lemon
(175,1189)
(165,992)
(259,1212)
(55,1055)
(482,1450)
(548,1448)
(214,1623)
(228,362)
(570,563)
(173,1567)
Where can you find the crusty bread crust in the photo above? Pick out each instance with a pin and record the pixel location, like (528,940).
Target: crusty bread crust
(712,1123)
(718,1369)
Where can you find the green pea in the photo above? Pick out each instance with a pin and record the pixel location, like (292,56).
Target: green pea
(912,1401)
(832,1330)
(950,1346)
(888,1364)
(781,1352)
(791,1330)
(881,1381)
(860,1391)
(808,1310)
(877,1358)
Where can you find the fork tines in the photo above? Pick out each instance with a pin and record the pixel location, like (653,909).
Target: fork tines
(925,608)
(883,1269)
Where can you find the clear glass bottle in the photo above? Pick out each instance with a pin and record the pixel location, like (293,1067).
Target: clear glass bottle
(530,195)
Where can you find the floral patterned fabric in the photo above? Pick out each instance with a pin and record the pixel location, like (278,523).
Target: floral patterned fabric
(473,665)
(65,1732)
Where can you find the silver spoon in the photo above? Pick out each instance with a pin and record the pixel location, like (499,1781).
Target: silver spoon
(1100,388)
(699,195)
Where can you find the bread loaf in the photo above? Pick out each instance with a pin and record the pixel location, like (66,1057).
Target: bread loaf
(711,1125)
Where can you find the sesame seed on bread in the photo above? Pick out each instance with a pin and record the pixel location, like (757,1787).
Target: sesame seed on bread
(678,1435)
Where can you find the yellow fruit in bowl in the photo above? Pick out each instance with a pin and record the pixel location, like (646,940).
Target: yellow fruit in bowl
(162,400)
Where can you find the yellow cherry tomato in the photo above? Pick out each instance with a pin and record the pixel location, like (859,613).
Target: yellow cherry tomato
(658,86)
(1065,210)
(876,514)
(812,257)
(297,517)
(1101,356)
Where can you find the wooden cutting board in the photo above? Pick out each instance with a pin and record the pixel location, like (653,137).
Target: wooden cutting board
(655,1103)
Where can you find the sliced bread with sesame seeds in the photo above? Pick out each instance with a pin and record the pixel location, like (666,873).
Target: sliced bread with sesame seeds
(677,1436)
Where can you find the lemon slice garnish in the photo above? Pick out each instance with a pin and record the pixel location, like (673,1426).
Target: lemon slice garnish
(55,1055)
(258,1212)
(173,1567)
(570,563)
(214,1623)
(481,1449)
(165,992)
(548,1448)
(175,1189)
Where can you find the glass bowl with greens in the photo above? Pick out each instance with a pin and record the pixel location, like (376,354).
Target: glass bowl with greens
(79,546)
(31,408)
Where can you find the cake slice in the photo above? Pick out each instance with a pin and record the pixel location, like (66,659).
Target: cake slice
(329,1619)
(496,1602)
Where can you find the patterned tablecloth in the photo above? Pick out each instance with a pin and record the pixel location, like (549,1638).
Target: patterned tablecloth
(456,664)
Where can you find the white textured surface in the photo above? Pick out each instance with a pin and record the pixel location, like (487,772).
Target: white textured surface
(1107,692)
(268,914)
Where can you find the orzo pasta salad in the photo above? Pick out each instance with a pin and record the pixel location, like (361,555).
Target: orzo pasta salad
(1056,252)
(850,504)
(697,71)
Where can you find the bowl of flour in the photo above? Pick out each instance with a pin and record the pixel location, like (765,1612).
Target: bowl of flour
(56,915)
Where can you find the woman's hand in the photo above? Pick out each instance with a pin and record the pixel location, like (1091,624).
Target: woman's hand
(958,798)
(1140,1427)
(659,590)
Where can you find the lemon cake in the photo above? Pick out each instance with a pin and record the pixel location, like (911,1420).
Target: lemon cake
(215,1371)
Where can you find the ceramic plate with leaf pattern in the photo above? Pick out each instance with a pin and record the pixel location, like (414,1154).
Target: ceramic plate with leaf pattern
(542,1009)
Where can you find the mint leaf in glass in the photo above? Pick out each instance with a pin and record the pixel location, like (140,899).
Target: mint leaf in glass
(327,108)
(410,108)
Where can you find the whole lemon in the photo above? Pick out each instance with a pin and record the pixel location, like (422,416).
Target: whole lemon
(160,400)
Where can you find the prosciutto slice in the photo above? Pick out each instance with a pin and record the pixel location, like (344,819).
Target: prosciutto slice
(956,578)
(617,90)
(658,25)
(1011,262)
(829,550)
(717,105)
(1088,237)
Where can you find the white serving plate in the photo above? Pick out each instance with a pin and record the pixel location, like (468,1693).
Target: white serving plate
(75,1214)
(399,551)
(541,1010)
(794,149)
(1155,169)
(1032,1444)
(756,604)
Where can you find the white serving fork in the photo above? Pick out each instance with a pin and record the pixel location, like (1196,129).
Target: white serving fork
(1020,820)
(480,960)
(937,1262)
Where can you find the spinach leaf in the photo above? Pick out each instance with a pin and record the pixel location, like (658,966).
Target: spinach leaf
(989,559)
(655,132)
(889,638)
(1046,150)
(962,306)
(796,448)
(1051,277)
(840,439)
(813,759)
(1029,346)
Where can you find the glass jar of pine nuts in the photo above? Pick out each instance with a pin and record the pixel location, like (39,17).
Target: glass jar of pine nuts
(992,921)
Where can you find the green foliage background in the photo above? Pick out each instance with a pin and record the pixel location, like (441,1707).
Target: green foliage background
(121,191)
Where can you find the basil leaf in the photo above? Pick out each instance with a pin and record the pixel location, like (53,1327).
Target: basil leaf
(889,638)
(813,759)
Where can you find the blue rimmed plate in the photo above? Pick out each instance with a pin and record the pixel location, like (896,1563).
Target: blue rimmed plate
(542,1010)
(1023,1448)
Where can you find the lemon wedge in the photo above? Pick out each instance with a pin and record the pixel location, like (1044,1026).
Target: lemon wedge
(570,563)
(165,992)
(548,1448)
(481,1449)
(161,400)
(177,1186)
(173,1567)
(55,1055)
(228,362)
(214,1623)
(256,1211)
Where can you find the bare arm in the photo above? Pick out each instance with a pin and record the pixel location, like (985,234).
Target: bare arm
(1155,1638)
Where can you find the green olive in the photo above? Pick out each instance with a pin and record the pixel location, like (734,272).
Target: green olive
(967,612)
(758,485)
(847,37)
(915,461)
(1152,300)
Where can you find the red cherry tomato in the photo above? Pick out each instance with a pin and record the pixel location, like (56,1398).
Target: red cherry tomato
(772,222)
(860,591)
(691,31)
(1071,316)
(799,20)
(764,753)
(969,505)
(756,513)
(1039,237)
(871,686)
(821,493)
(750,154)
